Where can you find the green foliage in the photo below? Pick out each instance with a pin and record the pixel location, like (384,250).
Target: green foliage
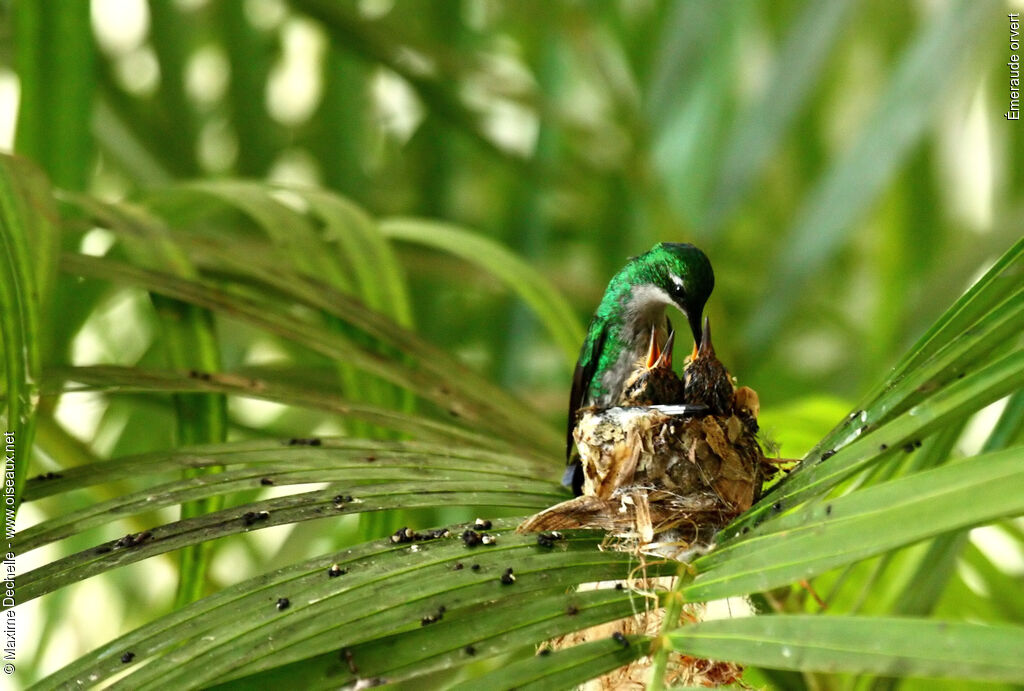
(884,646)
(259,334)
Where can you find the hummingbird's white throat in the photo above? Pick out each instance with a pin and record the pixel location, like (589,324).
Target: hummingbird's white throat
(643,307)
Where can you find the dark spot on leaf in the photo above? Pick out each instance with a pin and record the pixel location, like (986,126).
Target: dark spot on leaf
(470,538)
(458,566)
(297,441)
(481,524)
(405,534)
(508,578)
(828,509)
(619,638)
(777,507)
(371,459)
(544,652)
(266,481)
(475,567)
(548,539)
(431,618)
(48,476)
(883,447)
(252,517)
(103,549)
(346,655)
(828,454)
(283,603)
(619,586)
(127,657)
(572,610)
(336,571)
(470,650)
(961,375)
(133,539)
(402,535)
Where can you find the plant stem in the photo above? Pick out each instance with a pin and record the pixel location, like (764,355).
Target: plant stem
(662,645)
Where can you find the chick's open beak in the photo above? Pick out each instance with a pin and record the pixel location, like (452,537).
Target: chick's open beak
(665,359)
(706,349)
(659,356)
(653,351)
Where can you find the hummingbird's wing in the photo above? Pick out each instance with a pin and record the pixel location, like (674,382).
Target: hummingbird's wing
(581,379)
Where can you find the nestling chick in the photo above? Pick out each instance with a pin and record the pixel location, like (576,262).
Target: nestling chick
(707,381)
(654,382)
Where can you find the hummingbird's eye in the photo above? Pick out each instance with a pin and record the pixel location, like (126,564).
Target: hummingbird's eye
(676,286)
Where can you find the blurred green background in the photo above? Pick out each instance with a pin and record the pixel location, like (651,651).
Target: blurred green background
(845,165)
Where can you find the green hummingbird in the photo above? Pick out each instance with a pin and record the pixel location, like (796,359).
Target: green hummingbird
(630,316)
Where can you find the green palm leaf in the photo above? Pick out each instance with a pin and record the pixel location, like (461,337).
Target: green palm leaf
(377,606)
(238,383)
(891,647)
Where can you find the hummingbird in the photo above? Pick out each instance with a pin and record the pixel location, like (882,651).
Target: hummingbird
(632,314)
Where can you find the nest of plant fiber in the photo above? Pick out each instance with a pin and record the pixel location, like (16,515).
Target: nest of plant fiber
(662,481)
(655,481)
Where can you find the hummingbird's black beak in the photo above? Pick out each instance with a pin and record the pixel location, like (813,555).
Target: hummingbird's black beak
(694,318)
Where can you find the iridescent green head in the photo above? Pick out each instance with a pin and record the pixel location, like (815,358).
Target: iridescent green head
(674,272)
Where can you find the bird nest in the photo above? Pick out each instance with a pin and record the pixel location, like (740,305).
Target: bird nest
(662,484)
(659,478)
(648,474)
